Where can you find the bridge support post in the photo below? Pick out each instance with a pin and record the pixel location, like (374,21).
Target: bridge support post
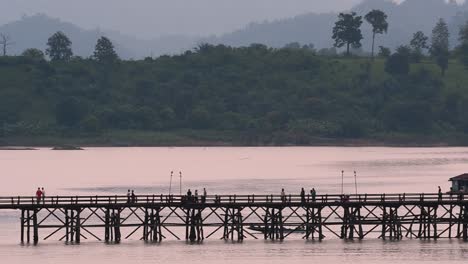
(116,224)
(152,227)
(194,225)
(78,226)
(35,227)
(428,220)
(313,223)
(22,225)
(28,221)
(352,223)
(273,222)
(233,224)
(112,225)
(73,225)
(28,227)
(462,230)
(107,225)
(391,224)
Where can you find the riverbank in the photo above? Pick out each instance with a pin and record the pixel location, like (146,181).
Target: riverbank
(191,138)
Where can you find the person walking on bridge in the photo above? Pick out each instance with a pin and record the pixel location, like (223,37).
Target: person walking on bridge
(204,195)
(43,195)
(440,194)
(189,195)
(303,195)
(313,193)
(38,195)
(283,196)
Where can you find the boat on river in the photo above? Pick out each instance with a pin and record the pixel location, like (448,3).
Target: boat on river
(261,229)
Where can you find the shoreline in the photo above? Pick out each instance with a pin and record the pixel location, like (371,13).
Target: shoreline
(24,146)
(209,138)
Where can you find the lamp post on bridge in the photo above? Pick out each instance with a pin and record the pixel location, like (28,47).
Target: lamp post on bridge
(355,182)
(342,182)
(180,183)
(170,183)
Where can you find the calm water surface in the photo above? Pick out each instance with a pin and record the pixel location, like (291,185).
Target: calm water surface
(229,170)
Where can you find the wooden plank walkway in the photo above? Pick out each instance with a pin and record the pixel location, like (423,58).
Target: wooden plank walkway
(237,217)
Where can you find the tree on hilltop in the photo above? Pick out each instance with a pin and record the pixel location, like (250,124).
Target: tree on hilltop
(378,21)
(32,53)
(59,47)
(347,31)
(463,48)
(5,42)
(440,45)
(104,51)
(419,45)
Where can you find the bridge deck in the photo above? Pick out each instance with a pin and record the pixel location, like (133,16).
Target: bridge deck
(158,217)
(20,202)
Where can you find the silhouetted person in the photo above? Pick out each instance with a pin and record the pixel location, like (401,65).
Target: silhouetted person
(43,195)
(440,194)
(204,196)
(313,193)
(196,196)
(283,196)
(303,195)
(133,196)
(189,195)
(128,196)
(38,195)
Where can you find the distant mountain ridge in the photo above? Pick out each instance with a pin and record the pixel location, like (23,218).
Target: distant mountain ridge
(33,32)
(404,19)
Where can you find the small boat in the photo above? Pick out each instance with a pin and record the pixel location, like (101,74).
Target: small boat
(286,230)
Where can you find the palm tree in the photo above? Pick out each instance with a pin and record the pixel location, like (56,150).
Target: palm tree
(378,21)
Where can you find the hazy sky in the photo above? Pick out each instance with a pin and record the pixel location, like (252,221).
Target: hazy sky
(150,18)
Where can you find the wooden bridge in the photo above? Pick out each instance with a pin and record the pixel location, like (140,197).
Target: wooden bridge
(237,217)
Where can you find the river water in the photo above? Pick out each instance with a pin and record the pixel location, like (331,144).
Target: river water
(104,171)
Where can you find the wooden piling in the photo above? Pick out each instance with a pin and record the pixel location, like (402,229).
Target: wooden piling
(67,226)
(78,226)
(22,226)
(72,225)
(35,227)
(28,230)
(107,225)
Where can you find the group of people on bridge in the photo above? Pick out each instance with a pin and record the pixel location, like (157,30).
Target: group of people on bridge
(40,195)
(194,197)
(131,197)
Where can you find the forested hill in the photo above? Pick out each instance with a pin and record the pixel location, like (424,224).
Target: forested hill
(223,95)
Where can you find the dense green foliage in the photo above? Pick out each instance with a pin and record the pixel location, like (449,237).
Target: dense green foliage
(251,95)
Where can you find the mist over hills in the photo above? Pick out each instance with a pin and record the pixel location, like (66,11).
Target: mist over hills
(33,32)
(404,19)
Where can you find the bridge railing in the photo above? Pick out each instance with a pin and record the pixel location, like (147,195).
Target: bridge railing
(233,199)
